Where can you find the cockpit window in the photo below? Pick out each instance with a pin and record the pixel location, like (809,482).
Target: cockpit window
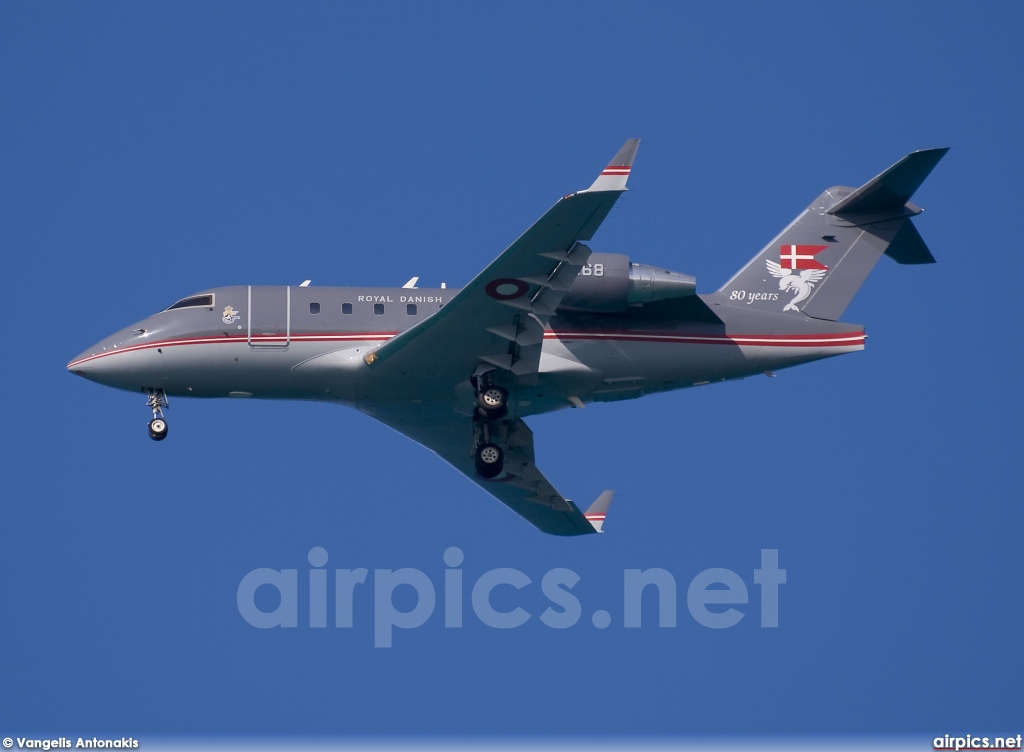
(196,301)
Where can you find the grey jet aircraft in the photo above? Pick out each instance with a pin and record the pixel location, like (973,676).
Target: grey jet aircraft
(548,324)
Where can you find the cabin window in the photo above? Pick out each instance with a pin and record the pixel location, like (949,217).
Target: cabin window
(314,308)
(196,301)
(411,309)
(378,309)
(346,308)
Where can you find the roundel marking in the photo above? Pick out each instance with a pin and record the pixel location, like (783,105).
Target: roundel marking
(507,289)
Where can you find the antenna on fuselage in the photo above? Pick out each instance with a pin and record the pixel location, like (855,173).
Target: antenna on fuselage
(411,284)
(306,283)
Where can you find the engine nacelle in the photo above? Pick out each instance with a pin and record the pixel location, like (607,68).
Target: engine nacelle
(609,282)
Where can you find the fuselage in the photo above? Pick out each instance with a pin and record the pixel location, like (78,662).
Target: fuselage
(308,343)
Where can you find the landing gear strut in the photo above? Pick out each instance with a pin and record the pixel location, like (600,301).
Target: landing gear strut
(158,426)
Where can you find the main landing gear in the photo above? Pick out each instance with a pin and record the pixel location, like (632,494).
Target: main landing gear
(492,406)
(490,460)
(158,426)
(493,402)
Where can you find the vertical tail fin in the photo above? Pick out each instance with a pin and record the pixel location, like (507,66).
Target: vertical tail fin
(817,264)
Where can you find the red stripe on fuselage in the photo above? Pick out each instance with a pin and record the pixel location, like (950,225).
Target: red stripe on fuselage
(844,339)
(243,339)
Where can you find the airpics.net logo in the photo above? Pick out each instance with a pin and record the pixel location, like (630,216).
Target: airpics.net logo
(713,596)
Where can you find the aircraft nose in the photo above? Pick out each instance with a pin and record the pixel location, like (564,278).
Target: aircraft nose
(123,360)
(108,362)
(86,363)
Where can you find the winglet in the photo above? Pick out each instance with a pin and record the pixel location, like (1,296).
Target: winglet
(599,509)
(614,176)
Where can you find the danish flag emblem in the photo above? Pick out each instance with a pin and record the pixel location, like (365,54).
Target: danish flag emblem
(800,256)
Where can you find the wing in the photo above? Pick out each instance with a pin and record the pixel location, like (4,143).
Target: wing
(775,269)
(498,318)
(521,487)
(494,329)
(814,275)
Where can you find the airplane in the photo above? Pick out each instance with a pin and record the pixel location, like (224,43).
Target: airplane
(549,324)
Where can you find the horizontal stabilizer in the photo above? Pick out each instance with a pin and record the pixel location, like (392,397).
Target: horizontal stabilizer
(894,187)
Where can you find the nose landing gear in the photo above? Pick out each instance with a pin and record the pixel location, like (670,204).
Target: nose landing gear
(158,429)
(157,401)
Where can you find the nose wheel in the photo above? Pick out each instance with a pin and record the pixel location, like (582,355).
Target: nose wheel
(158,429)
(157,401)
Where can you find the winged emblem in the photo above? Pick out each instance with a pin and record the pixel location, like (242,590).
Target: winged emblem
(800,284)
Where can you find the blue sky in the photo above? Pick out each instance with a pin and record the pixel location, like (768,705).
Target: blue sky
(150,151)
